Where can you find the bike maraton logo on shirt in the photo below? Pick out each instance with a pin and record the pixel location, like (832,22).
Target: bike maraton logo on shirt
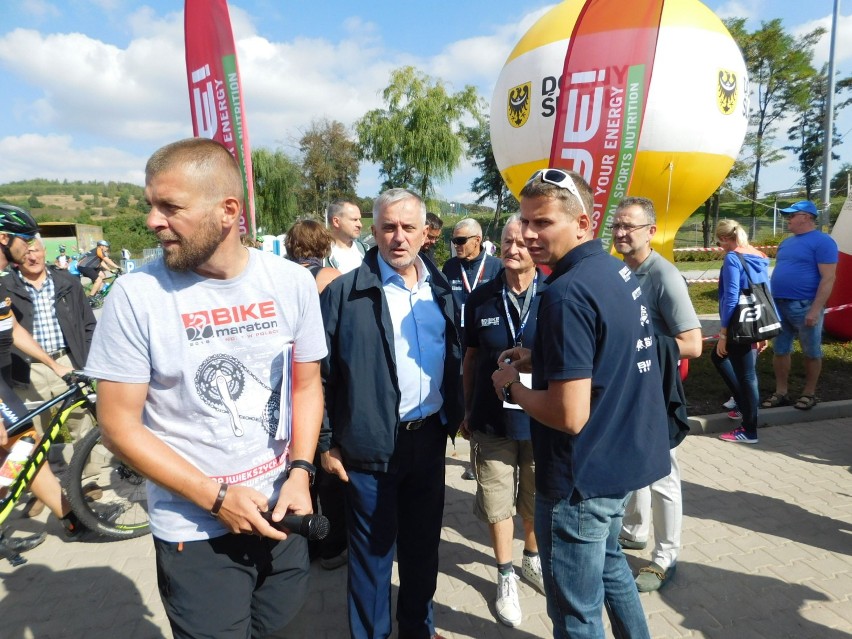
(229,322)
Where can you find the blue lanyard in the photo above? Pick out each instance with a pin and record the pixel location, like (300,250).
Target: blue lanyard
(523,315)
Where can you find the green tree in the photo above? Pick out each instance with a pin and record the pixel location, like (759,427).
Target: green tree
(780,72)
(34,203)
(416,139)
(129,231)
(839,183)
(808,130)
(329,165)
(277,180)
(489,185)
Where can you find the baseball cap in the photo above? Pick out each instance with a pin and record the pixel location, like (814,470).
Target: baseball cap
(805,206)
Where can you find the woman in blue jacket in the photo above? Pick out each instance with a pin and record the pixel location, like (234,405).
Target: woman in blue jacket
(736,362)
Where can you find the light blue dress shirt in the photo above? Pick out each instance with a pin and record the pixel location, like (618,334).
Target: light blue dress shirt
(418,341)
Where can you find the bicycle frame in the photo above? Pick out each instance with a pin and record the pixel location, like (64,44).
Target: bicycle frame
(70,400)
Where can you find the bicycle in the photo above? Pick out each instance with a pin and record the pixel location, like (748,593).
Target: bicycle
(97,300)
(118,510)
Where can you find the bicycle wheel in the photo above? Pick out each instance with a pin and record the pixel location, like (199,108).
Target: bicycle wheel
(106,494)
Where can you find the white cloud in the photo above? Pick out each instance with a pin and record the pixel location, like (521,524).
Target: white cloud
(57,157)
(739,9)
(99,89)
(96,109)
(843,42)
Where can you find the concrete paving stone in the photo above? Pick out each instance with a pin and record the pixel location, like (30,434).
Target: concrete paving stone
(828,566)
(728,564)
(710,533)
(786,552)
(685,621)
(749,503)
(663,627)
(753,561)
(717,549)
(823,615)
(797,572)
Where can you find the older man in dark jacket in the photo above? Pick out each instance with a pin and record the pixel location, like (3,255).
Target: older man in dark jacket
(391,386)
(52,306)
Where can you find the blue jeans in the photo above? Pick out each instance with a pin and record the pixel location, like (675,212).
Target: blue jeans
(584,568)
(739,374)
(792,314)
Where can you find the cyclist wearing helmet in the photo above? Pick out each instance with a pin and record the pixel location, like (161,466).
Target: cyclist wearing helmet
(95,264)
(17,231)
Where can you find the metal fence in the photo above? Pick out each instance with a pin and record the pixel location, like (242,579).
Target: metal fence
(760,231)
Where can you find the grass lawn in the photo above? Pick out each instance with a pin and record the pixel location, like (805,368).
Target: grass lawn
(705,390)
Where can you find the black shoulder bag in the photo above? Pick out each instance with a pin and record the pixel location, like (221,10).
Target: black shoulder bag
(755,318)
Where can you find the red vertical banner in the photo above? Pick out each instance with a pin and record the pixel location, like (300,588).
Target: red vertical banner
(215,93)
(602,96)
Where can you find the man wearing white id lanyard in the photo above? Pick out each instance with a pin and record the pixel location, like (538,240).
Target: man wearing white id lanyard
(499,315)
(471,267)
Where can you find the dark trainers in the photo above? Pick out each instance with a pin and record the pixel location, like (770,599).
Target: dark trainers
(738,436)
(73,527)
(468,474)
(631,544)
(22,544)
(653,577)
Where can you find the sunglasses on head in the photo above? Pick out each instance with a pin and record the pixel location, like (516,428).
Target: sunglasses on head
(461,241)
(562,179)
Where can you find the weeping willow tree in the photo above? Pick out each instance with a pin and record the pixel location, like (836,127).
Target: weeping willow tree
(277,182)
(417,139)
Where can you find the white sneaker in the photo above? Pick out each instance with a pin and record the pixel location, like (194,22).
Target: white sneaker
(531,570)
(731,404)
(507,605)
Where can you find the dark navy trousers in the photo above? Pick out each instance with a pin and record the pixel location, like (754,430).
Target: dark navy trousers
(397,511)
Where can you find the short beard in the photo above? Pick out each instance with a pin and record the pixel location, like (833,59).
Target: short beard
(190,255)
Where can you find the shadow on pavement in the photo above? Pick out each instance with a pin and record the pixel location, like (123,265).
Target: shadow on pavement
(708,603)
(77,602)
(765,514)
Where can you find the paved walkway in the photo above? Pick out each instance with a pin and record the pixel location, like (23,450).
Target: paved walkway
(767,553)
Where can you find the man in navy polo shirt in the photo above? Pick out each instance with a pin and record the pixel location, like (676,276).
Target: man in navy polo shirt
(597,409)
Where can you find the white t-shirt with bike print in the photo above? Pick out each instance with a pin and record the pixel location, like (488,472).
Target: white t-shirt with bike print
(212,354)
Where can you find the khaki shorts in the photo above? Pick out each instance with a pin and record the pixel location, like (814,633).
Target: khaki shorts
(505,477)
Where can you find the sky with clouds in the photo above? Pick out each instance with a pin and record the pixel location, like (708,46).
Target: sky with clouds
(92,87)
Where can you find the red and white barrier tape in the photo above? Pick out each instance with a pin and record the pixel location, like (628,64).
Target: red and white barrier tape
(716,248)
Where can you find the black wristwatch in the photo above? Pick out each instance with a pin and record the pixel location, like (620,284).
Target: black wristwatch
(507,390)
(308,467)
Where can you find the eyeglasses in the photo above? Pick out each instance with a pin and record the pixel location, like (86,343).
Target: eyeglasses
(461,241)
(562,179)
(627,228)
(29,239)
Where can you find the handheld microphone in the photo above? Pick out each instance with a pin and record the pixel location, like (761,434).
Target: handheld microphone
(314,527)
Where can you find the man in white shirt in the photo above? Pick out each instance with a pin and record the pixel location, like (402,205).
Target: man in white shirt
(344,222)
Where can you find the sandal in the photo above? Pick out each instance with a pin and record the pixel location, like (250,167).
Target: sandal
(775,400)
(805,402)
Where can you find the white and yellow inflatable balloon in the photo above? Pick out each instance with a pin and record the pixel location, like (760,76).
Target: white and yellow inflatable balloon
(695,118)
